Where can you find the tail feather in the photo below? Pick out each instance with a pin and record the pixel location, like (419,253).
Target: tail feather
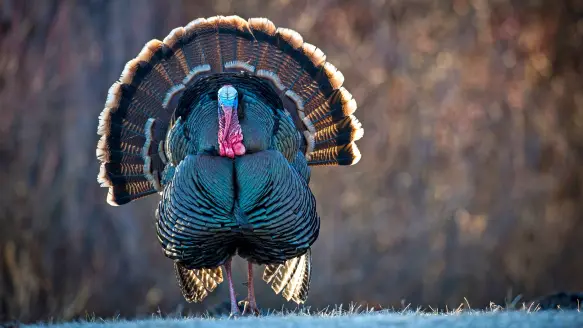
(202,43)
(196,284)
(141,106)
(230,30)
(284,275)
(339,105)
(175,63)
(291,278)
(339,155)
(295,281)
(301,293)
(346,130)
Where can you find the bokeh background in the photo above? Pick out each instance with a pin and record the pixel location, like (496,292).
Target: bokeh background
(470,183)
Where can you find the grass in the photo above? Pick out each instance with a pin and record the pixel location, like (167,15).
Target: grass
(354,316)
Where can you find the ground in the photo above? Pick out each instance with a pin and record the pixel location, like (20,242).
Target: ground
(475,319)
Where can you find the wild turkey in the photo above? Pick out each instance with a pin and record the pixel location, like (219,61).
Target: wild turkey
(224,118)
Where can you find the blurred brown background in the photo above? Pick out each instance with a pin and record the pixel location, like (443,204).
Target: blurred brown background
(470,183)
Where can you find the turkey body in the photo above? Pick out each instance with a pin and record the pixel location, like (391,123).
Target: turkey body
(224,119)
(259,205)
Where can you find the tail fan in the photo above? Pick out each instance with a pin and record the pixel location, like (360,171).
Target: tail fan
(134,123)
(140,107)
(196,284)
(292,277)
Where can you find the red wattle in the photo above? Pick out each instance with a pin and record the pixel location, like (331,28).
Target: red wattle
(239,149)
(230,134)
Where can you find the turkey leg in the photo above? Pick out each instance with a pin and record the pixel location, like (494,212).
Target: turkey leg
(251,290)
(234,307)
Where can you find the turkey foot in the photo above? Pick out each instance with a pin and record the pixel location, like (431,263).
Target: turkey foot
(248,310)
(234,308)
(250,305)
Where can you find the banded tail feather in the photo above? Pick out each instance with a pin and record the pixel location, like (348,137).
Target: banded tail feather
(291,278)
(140,107)
(197,284)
